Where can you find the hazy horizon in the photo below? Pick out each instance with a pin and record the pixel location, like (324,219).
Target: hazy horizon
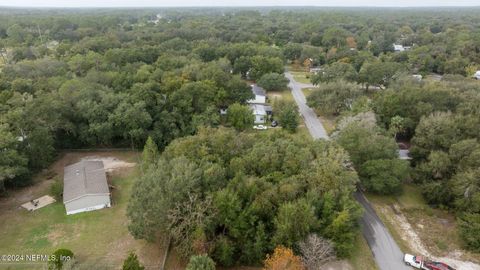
(238,3)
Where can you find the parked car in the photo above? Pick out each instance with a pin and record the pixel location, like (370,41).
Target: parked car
(274,123)
(260,127)
(420,263)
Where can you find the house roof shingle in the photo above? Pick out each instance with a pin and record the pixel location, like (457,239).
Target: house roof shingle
(82,178)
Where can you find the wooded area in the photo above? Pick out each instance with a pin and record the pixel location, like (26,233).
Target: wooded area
(114,77)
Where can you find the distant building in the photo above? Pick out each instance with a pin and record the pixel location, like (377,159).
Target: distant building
(417,77)
(260,95)
(398,48)
(401,48)
(477,75)
(404,154)
(85,187)
(315,70)
(308,62)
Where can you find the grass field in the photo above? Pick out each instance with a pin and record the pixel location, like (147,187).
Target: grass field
(301,76)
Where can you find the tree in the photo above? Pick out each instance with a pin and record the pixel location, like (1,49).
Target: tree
(262,65)
(334,37)
(316,251)
(287,115)
(132,263)
(283,258)
(397,125)
(334,72)
(373,154)
(150,153)
(200,262)
(293,223)
(239,116)
(12,163)
(334,98)
(384,176)
(365,143)
(378,73)
(273,81)
(469,227)
(437,131)
(292,51)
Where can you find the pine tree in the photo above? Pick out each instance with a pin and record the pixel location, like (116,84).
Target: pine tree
(150,153)
(132,263)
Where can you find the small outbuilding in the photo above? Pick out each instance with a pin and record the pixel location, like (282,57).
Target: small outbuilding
(85,187)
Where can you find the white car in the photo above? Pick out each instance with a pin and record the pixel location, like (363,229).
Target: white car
(260,127)
(413,261)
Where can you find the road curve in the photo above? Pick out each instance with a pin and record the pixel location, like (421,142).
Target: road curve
(385,250)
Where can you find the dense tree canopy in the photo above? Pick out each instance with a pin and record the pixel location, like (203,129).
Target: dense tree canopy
(241,194)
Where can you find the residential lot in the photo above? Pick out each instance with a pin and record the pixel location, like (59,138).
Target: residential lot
(98,237)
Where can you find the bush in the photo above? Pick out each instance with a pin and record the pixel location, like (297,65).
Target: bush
(201,262)
(469,228)
(132,263)
(59,257)
(56,189)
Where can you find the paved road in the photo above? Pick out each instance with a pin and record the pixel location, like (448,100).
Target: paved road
(386,252)
(312,122)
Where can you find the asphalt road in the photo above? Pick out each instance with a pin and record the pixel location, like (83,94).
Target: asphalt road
(386,252)
(312,122)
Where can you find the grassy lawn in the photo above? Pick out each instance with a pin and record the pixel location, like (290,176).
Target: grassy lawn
(99,237)
(362,258)
(301,76)
(436,228)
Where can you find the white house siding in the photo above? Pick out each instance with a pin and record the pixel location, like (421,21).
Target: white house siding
(259,99)
(260,119)
(87,203)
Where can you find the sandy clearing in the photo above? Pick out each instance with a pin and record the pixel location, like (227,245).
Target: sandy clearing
(410,236)
(111,163)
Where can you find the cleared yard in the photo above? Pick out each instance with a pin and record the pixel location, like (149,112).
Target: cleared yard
(99,237)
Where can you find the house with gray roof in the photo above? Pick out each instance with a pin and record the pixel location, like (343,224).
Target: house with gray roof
(85,187)
(260,95)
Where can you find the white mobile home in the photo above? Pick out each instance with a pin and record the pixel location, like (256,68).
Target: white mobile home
(85,187)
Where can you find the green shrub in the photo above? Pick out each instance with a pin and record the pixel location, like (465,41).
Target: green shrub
(59,257)
(469,229)
(132,263)
(56,189)
(201,262)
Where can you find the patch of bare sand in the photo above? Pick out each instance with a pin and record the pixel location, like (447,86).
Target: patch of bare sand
(410,236)
(111,163)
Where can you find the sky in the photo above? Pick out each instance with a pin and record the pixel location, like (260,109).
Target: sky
(236,3)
